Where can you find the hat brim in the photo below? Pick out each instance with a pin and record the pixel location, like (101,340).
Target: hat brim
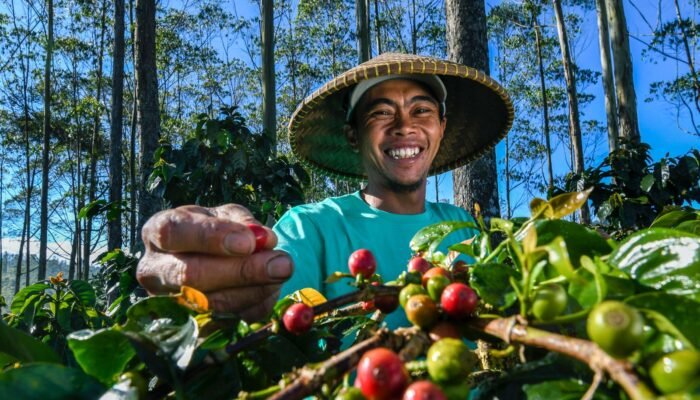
(479,114)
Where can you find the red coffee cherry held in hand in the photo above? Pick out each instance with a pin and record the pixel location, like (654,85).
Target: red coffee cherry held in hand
(423,390)
(459,300)
(298,318)
(419,264)
(381,375)
(362,261)
(260,236)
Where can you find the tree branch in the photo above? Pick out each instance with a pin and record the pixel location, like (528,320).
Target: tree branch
(621,371)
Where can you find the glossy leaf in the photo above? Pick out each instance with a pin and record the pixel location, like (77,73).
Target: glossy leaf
(673,218)
(84,292)
(23,347)
(491,283)
(680,311)
(103,354)
(19,300)
(48,382)
(663,259)
(579,240)
(566,203)
(428,238)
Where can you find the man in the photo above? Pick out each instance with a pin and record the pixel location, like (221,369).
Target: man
(384,121)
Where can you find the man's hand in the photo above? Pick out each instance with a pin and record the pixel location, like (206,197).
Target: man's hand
(212,250)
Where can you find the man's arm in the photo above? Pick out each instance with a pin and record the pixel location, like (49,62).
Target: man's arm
(212,250)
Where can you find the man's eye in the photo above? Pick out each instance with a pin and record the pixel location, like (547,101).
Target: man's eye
(380,113)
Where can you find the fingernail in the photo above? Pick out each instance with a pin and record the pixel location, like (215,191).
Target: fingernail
(279,267)
(238,243)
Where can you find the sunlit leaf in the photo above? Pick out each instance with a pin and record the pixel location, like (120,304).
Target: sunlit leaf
(664,259)
(428,238)
(192,299)
(565,204)
(540,208)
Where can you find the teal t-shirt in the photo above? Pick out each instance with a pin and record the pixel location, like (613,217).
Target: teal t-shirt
(321,236)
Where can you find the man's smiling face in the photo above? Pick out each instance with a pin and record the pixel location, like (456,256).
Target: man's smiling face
(398,130)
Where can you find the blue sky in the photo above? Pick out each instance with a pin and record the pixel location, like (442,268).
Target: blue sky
(659,126)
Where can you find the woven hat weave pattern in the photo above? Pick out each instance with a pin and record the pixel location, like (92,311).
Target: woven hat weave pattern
(479,114)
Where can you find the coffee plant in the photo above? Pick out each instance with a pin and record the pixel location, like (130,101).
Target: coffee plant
(553,310)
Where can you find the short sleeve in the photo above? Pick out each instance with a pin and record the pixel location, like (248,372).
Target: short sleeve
(299,236)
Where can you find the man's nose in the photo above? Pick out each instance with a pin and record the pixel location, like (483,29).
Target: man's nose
(403,125)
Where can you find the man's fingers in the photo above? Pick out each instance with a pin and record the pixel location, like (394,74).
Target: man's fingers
(238,213)
(160,272)
(249,301)
(188,229)
(261,310)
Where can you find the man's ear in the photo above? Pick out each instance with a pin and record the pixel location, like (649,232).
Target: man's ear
(351,136)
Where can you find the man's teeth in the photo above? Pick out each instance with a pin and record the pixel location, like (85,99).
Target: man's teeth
(404,152)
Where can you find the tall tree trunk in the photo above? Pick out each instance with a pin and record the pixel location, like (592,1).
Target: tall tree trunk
(2,189)
(362,19)
(147,100)
(18,269)
(44,213)
(268,71)
(622,62)
(467,44)
(92,188)
(574,124)
(606,69)
(115,154)
(132,145)
(378,26)
(689,55)
(545,103)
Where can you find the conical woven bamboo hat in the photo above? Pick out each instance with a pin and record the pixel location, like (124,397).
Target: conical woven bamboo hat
(479,114)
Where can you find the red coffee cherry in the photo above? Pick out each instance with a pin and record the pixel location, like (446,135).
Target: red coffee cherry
(362,262)
(381,375)
(459,300)
(423,390)
(419,264)
(298,318)
(260,236)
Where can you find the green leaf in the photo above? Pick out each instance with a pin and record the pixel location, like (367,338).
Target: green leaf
(673,218)
(580,241)
(590,288)
(647,182)
(428,238)
(559,258)
(102,354)
(48,382)
(540,208)
(23,347)
(19,300)
(690,226)
(504,225)
(491,283)
(168,326)
(566,203)
(84,292)
(564,389)
(680,311)
(664,259)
